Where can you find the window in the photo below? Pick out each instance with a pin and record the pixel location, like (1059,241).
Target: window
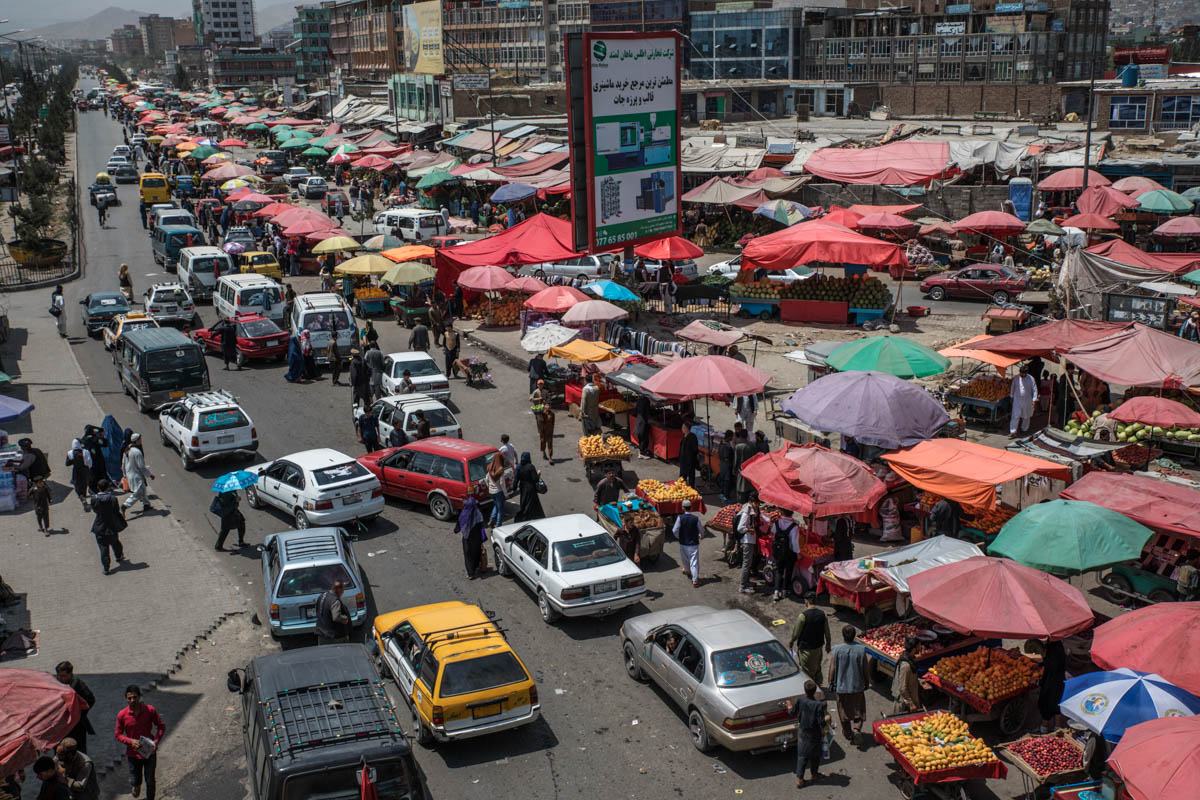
(951,71)
(835,99)
(1179,111)
(481,674)
(745,666)
(1128,111)
(587,553)
(302,581)
(1002,70)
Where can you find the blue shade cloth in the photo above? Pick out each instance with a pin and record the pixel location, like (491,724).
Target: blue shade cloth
(784,212)
(232,481)
(511,192)
(12,408)
(1109,703)
(608,290)
(613,511)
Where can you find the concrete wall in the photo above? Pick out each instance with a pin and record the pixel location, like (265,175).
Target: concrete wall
(522,101)
(957,100)
(949,202)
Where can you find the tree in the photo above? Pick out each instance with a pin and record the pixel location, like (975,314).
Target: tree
(182,81)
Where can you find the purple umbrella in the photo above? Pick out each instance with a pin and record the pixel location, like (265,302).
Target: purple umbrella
(233,248)
(12,408)
(874,407)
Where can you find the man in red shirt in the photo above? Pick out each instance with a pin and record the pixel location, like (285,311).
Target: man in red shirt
(137,722)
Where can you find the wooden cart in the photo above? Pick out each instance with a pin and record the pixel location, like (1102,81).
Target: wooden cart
(406,316)
(653,536)
(1033,781)
(886,665)
(943,783)
(596,466)
(872,603)
(1010,710)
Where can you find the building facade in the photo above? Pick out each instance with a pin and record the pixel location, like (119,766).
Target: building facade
(364,37)
(1170,104)
(191,59)
(183,33)
(158,34)
(227,22)
(516,40)
(239,67)
(126,41)
(310,29)
(746,44)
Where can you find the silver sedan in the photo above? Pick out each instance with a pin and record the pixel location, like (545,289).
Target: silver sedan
(727,673)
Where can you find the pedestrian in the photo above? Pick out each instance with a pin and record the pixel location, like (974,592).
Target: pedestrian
(423,431)
(725,468)
(641,430)
(1051,683)
(334,354)
(450,348)
(295,359)
(906,687)
(107,525)
(761,445)
(306,352)
(65,672)
(406,383)
(470,525)
(747,409)
(629,539)
(333,618)
(544,418)
(133,465)
(528,485)
(102,209)
(140,729)
(437,322)
(360,380)
(809,635)
(811,717)
(494,480)
(743,451)
(368,429)
(589,406)
(40,495)
(396,436)
(94,441)
(373,358)
(1190,329)
(225,506)
(735,354)
(537,370)
(80,462)
(77,771)
(33,463)
(748,521)
(608,489)
(418,339)
(689,455)
(1024,394)
(687,531)
(848,674)
(784,550)
(53,785)
(508,452)
(229,343)
(944,518)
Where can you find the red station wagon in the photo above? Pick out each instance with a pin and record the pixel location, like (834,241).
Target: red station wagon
(257,337)
(439,472)
(984,282)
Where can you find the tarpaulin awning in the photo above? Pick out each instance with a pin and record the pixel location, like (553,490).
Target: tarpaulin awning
(707,331)
(1125,253)
(998,360)
(906,163)
(909,560)
(818,240)
(534,166)
(1103,200)
(1005,157)
(967,472)
(704,158)
(1045,340)
(582,352)
(538,239)
(1159,505)
(866,210)
(813,480)
(721,191)
(1141,356)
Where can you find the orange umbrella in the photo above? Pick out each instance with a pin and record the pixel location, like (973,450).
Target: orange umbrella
(410,252)
(997,360)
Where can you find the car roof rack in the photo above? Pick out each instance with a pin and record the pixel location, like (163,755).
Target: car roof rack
(448,635)
(328,713)
(212,397)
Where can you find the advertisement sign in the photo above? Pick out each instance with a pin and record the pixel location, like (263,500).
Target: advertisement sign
(960,8)
(950,28)
(1010,8)
(1006,24)
(631,124)
(423,38)
(474,80)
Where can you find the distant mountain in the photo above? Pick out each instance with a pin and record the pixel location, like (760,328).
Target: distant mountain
(31,14)
(274,15)
(97,26)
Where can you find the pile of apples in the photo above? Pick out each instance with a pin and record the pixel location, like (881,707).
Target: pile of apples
(1047,755)
(889,639)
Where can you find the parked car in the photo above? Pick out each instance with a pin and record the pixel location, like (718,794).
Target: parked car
(100,307)
(991,283)
(169,303)
(456,670)
(425,373)
(205,426)
(400,411)
(728,674)
(312,186)
(126,173)
(115,162)
(571,564)
(122,323)
(242,235)
(184,186)
(295,175)
(259,262)
(731,268)
(446,241)
(298,566)
(257,337)
(330,200)
(271,162)
(592,267)
(438,472)
(317,487)
(686,269)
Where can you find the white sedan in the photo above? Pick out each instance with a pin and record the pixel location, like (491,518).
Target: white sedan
(730,269)
(573,565)
(426,375)
(317,488)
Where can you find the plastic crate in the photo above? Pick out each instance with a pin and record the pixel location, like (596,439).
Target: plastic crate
(861,315)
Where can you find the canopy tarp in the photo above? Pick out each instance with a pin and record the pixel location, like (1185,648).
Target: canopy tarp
(1158,505)
(708,159)
(1103,200)
(709,331)
(538,239)
(818,240)
(1141,356)
(719,191)
(1044,340)
(866,210)
(909,560)
(907,163)
(1125,253)
(1089,277)
(583,352)
(533,166)
(967,472)
(1004,156)
(998,360)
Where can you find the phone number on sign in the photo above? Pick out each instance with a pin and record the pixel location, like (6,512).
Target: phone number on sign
(652,227)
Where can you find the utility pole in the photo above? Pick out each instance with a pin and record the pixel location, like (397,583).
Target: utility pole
(1098,40)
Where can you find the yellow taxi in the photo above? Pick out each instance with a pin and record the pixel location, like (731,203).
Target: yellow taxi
(260,262)
(121,323)
(152,188)
(456,670)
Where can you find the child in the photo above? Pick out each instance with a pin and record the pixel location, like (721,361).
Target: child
(40,495)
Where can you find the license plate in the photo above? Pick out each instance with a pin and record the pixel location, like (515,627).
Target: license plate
(783,738)
(351,499)
(489,710)
(175,395)
(604,588)
(225,439)
(310,612)
(170,308)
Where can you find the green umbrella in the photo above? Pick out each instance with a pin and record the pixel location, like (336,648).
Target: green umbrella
(894,355)
(295,144)
(1069,537)
(1163,201)
(321,141)
(1044,226)
(203,151)
(345,147)
(256,126)
(409,273)
(421,172)
(381,241)
(303,136)
(1193,277)
(5,377)
(435,178)
(1192,194)
(314,151)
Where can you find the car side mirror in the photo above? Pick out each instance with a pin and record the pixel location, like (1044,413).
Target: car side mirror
(233,681)
(261,549)
(83,302)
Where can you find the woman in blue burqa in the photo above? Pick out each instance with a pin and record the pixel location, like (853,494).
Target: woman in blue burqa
(295,373)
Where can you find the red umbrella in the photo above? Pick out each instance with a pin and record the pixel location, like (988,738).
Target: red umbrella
(672,248)
(552,300)
(1159,759)
(1159,411)
(1133,183)
(306,226)
(885,222)
(1179,226)
(1163,638)
(937,227)
(226,172)
(1090,222)
(996,223)
(231,143)
(809,479)
(843,216)
(707,376)
(36,712)
(485,279)
(1066,180)
(998,598)
(274,209)
(1103,200)
(251,197)
(525,283)
(296,214)
(377,163)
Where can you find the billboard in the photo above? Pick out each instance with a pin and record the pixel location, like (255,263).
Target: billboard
(472,80)
(630,93)
(423,38)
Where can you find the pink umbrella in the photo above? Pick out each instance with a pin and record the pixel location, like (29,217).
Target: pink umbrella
(305,227)
(810,479)
(1090,222)
(485,279)
(885,222)
(251,197)
(328,233)
(591,312)
(994,222)
(1159,759)
(226,172)
(672,248)
(554,300)
(526,284)
(377,163)
(274,209)
(231,143)
(36,712)
(707,376)
(1072,179)
(1134,183)
(1179,226)
(296,214)
(1160,411)
(937,227)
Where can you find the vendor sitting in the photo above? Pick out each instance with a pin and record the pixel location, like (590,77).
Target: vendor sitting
(609,489)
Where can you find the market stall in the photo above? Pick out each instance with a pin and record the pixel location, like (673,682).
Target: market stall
(667,498)
(989,683)
(935,751)
(636,511)
(600,453)
(1046,759)
(885,644)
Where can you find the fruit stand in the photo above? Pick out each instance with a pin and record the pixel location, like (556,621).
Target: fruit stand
(600,453)
(721,524)
(409,316)
(885,645)
(667,498)
(985,398)
(935,751)
(993,682)
(1049,759)
(763,307)
(982,526)
(636,511)
(832,299)
(370,301)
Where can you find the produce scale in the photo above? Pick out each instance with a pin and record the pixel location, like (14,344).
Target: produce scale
(997,684)
(936,754)
(1049,759)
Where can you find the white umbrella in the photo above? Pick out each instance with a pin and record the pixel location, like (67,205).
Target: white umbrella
(539,340)
(593,311)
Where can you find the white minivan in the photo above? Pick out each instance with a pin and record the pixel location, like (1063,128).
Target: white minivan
(248,294)
(200,267)
(414,224)
(323,315)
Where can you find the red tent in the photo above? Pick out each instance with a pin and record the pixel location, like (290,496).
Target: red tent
(1049,339)
(1103,200)
(1140,356)
(818,240)
(1066,180)
(1119,250)
(1156,411)
(537,239)
(810,479)
(859,208)
(1156,504)
(843,216)
(1090,222)
(535,166)
(36,712)
(996,223)
(907,163)
(884,221)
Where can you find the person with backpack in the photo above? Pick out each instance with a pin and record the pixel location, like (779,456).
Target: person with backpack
(225,506)
(107,525)
(785,543)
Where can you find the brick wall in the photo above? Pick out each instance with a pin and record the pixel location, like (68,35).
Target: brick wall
(958,100)
(949,202)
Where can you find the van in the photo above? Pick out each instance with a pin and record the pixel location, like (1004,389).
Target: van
(152,187)
(334,690)
(158,365)
(169,215)
(414,224)
(323,314)
(199,268)
(244,294)
(168,240)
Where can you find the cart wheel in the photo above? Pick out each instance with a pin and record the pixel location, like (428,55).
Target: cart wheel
(1012,716)
(873,616)
(768,572)
(908,789)
(766,314)
(743,313)
(1162,596)
(1120,584)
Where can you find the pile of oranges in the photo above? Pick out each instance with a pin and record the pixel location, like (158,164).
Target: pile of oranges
(939,741)
(990,522)
(999,674)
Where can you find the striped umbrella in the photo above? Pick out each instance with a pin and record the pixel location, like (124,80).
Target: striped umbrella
(1110,702)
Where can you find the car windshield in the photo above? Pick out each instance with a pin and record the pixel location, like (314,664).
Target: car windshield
(436,417)
(392,782)
(262,258)
(756,663)
(256,296)
(169,296)
(257,327)
(586,553)
(207,265)
(477,467)
(221,419)
(173,359)
(421,368)
(328,321)
(479,674)
(299,581)
(342,472)
(108,304)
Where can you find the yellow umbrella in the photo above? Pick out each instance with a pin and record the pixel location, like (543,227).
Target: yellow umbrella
(582,352)
(369,264)
(186,146)
(336,244)
(155,139)
(409,273)
(409,252)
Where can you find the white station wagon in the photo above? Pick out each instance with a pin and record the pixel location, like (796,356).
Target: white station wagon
(573,565)
(317,487)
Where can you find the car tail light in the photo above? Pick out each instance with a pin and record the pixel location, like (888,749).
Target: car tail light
(360,602)
(195,441)
(440,385)
(757,721)
(533,698)
(438,716)
(254,433)
(575,594)
(377,492)
(274,612)
(633,581)
(323,505)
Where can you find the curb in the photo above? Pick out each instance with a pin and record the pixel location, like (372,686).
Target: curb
(505,356)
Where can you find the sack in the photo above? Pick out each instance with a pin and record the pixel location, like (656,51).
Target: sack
(541,487)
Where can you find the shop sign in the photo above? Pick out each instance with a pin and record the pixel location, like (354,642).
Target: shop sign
(950,28)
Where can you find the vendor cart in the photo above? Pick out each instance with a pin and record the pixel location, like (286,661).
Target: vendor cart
(761,307)
(670,509)
(408,317)
(871,602)
(475,370)
(1010,709)
(638,512)
(1036,781)
(946,644)
(370,302)
(985,411)
(943,783)
(721,525)
(596,465)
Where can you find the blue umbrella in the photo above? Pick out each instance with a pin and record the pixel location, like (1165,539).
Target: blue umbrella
(610,290)
(12,409)
(784,212)
(1109,703)
(231,482)
(511,192)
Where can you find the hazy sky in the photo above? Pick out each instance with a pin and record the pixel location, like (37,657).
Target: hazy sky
(33,14)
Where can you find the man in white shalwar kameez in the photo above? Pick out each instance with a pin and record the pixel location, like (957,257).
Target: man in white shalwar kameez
(1024,395)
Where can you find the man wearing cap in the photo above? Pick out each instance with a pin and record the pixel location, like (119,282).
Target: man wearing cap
(687,531)
(1024,395)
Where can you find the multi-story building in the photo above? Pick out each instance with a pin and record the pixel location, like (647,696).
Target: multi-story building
(191,58)
(239,67)
(746,44)
(310,29)
(126,41)
(516,40)
(1168,104)
(279,37)
(228,22)
(183,33)
(157,34)
(638,15)
(364,37)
